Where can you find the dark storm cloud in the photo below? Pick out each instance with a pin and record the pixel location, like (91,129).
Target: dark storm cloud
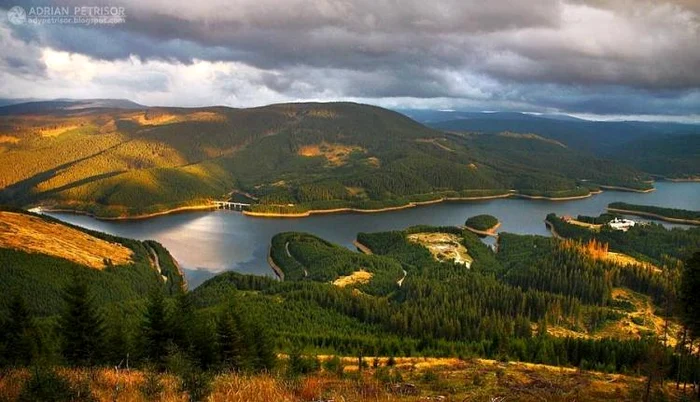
(593,56)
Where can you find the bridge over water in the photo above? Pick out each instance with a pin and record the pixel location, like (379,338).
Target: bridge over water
(234,206)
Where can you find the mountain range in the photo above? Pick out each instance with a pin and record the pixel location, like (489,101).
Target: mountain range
(115,158)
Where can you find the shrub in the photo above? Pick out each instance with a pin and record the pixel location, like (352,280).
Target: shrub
(46,385)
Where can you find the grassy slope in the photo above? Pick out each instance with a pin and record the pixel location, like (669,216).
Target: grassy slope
(40,278)
(473,380)
(118,162)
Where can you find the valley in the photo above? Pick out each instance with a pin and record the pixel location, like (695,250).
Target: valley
(292,159)
(457,288)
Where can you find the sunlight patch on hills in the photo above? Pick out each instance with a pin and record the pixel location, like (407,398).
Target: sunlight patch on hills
(8,139)
(335,154)
(56,131)
(357,277)
(35,235)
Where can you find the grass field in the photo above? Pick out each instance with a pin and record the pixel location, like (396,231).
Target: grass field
(409,379)
(35,235)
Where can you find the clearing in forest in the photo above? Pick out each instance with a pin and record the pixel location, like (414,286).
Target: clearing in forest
(355,278)
(443,247)
(335,154)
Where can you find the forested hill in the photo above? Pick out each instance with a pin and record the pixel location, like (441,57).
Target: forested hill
(663,149)
(441,291)
(114,161)
(41,256)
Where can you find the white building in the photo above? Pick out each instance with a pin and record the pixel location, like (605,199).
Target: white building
(621,224)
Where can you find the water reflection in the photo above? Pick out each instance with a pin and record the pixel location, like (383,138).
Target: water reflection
(211,242)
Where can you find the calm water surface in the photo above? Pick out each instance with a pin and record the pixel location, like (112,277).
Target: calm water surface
(206,243)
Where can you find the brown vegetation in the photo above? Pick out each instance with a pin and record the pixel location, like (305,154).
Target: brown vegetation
(358,277)
(335,154)
(35,235)
(410,379)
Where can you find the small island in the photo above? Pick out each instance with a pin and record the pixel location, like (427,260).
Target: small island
(484,225)
(650,211)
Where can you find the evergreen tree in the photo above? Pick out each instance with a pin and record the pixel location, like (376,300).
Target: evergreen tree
(233,350)
(690,295)
(690,301)
(156,331)
(81,327)
(118,344)
(265,357)
(18,335)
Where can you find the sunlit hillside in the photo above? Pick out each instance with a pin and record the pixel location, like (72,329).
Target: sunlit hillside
(125,162)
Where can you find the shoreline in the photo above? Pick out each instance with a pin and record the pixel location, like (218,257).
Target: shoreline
(552,231)
(655,216)
(203,207)
(631,190)
(688,180)
(305,214)
(363,249)
(545,198)
(488,232)
(412,204)
(275,268)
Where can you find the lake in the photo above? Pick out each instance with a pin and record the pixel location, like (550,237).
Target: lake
(209,242)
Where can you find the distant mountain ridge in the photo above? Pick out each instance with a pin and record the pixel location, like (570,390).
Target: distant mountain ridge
(56,105)
(595,136)
(289,158)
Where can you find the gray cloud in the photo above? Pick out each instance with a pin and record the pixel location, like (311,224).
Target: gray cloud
(588,56)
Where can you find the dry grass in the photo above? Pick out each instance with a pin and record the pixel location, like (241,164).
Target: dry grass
(158,119)
(630,327)
(355,278)
(443,247)
(335,154)
(600,251)
(624,259)
(35,235)
(56,131)
(428,379)
(586,225)
(8,139)
(633,325)
(263,388)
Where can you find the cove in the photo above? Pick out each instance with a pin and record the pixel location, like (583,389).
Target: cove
(209,242)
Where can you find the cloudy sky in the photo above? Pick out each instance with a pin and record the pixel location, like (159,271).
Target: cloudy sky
(600,58)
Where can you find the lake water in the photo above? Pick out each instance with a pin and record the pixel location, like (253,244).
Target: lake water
(206,243)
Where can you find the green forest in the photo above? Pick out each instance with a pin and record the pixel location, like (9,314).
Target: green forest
(289,157)
(649,242)
(481,222)
(674,213)
(537,299)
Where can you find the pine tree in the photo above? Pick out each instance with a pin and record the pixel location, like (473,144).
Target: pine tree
(156,331)
(265,358)
(690,295)
(118,345)
(690,299)
(17,334)
(233,350)
(81,327)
